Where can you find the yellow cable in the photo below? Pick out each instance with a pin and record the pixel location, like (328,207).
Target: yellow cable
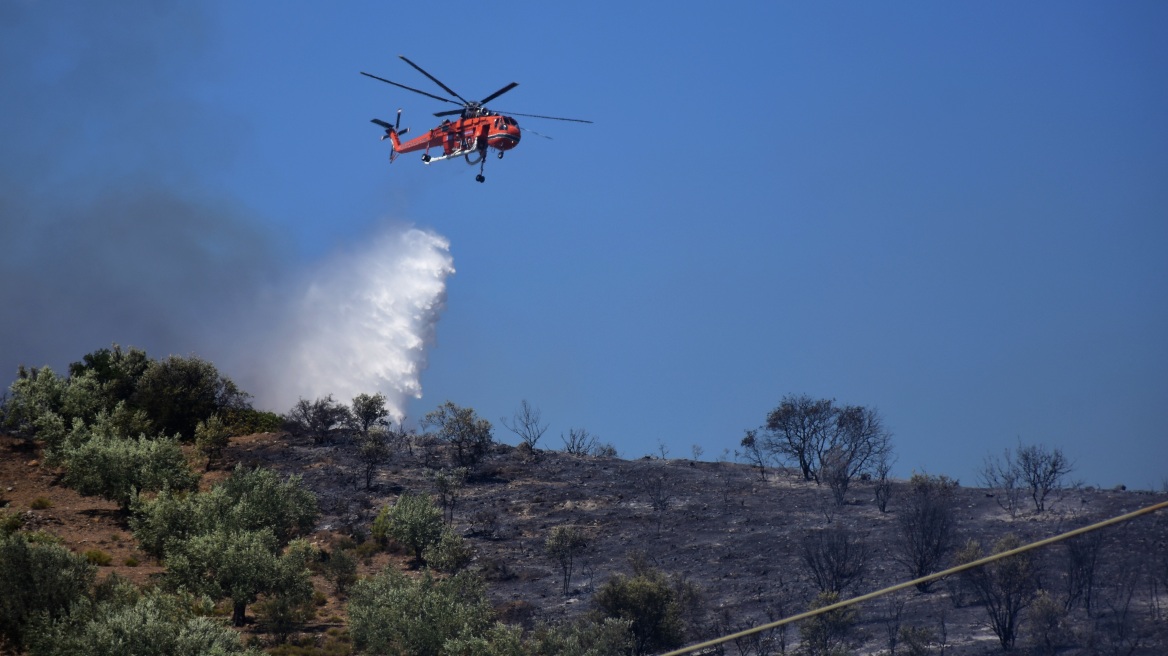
(924,579)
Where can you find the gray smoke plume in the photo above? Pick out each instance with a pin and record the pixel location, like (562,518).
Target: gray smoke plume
(110,233)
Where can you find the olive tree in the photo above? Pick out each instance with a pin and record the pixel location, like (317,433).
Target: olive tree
(413,522)
(463,430)
(117,468)
(177,393)
(394,615)
(324,420)
(39,580)
(563,545)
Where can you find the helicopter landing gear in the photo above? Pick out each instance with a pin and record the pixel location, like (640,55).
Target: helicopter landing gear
(482,165)
(426,158)
(500,154)
(480,178)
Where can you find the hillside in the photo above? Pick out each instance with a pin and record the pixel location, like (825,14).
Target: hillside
(737,537)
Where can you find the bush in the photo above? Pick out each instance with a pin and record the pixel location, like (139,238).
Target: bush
(649,604)
(98,557)
(114,468)
(394,615)
(823,634)
(461,428)
(149,625)
(449,554)
(177,393)
(41,503)
(413,522)
(38,579)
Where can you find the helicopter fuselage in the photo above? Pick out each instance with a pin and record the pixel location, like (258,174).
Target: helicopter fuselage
(462,137)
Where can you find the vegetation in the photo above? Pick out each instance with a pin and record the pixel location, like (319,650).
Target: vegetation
(463,430)
(413,522)
(927,525)
(564,545)
(39,581)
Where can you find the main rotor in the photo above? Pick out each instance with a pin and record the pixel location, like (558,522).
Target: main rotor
(468,108)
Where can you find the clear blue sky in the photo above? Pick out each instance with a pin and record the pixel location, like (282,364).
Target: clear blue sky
(954,212)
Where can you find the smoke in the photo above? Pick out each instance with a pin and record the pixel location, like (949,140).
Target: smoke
(361,323)
(111,229)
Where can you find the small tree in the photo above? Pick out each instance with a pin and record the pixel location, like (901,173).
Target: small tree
(823,634)
(116,468)
(1034,469)
(38,580)
(374,450)
(177,393)
(395,615)
(834,559)
(449,554)
(462,429)
(659,489)
(1006,587)
(579,442)
(324,420)
(369,411)
(883,485)
(1001,475)
(211,437)
(413,522)
(926,525)
(753,453)
(527,424)
(448,483)
(564,543)
(1080,562)
(649,603)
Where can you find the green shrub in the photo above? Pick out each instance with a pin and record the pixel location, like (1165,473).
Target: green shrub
(395,615)
(413,522)
(39,580)
(649,604)
(114,468)
(41,503)
(449,554)
(98,557)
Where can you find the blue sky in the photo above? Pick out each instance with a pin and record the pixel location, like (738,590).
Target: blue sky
(953,212)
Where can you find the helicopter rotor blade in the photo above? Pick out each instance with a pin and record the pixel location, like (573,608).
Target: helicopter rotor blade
(554,118)
(449,112)
(534,132)
(429,95)
(435,80)
(498,93)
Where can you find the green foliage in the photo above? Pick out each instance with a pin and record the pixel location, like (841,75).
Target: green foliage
(114,467)
(563,545)
(41,503)
(35,392)
(449,554)
(136,625)
(499,640)
(248,500)
(98,557)
(340,568)
(610,637)
(823,634)
(461,428)
(413,522)
(369,411)
(116,371)
(649,604)
(393,615)
(240,565)
(177,393)
(38,579)
(211,437)
(246,421)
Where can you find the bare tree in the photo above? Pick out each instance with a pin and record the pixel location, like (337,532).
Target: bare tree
(1006,587)
(527,424)
(1043,471)
(374,450)
(1081,555)
(883,486)
(834,559)
(926,522)
(1001,475)
(752,452)
(579,442)
(659,489)
(448,483)
(797,430)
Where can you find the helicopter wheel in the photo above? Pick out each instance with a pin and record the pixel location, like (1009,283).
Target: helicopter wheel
(480,177)
(500,154)
(426,158)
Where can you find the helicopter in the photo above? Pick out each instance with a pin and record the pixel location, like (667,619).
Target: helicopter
(469,136)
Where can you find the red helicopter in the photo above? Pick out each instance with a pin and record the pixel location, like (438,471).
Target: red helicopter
(469,136)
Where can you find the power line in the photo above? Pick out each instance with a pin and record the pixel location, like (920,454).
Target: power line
(924,579)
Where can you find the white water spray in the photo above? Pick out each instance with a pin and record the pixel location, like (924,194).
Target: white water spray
(362,324)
